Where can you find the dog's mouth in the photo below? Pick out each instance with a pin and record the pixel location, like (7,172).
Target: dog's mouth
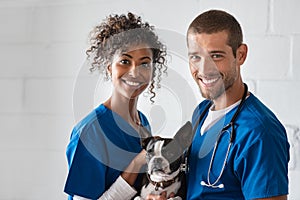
(159,176)
(159,170)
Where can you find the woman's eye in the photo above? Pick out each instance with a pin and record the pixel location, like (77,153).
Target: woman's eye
(146,65)
(124,62)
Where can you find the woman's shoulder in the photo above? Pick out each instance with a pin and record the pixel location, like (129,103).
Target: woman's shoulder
(92,119)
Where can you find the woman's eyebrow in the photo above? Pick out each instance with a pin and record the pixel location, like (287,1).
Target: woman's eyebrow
(142,58)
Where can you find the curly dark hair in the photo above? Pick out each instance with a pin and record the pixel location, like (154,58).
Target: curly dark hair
(118,33)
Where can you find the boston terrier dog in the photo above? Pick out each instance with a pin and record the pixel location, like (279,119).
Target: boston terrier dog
(166,164)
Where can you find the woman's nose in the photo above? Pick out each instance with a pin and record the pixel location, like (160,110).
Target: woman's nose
(134,70)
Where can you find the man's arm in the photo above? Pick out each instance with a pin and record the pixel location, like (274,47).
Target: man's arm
(284,197)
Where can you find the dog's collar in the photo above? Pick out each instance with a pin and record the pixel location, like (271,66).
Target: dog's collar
(163,184)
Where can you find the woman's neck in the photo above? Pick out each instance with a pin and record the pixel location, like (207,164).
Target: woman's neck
(126,108)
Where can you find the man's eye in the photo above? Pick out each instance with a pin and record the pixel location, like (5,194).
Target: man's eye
(216,56)
(195,58)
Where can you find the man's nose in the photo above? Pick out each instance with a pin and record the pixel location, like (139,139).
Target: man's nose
(207,66)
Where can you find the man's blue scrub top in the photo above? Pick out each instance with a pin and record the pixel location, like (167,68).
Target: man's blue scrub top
(257,165)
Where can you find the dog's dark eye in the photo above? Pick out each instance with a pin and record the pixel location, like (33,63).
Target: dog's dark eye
(150,151)
(148,156)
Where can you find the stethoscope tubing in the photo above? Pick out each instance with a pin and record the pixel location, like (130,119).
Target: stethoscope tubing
(231,140)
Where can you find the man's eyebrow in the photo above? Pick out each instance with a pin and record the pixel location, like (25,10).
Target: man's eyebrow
(217,51)
(192,53)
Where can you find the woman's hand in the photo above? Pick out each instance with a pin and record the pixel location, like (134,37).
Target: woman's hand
(133,169)
(140,159)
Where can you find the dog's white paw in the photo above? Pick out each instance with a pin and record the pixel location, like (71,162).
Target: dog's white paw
(175,198)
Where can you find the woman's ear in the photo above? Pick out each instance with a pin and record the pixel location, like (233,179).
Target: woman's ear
(108,71)
(241,54)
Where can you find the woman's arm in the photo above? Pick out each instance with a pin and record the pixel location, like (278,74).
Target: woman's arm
(131,172)
(122,187)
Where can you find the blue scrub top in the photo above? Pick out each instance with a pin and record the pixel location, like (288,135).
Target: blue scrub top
(257,165)
(101,146)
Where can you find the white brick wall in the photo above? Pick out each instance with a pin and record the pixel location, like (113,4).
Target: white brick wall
(42,48)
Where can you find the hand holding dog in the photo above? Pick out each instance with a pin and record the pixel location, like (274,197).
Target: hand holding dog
(131,172)
(162,196)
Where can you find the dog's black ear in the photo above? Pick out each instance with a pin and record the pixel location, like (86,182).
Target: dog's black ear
(144,132)
(145,141)
(184,135)
(145,137)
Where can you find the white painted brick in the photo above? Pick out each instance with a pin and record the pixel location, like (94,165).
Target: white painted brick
(49,96)
(252,15)
(296,58)
(32,175)
(15,59)
(285,17)
(12,95)
(174,15)
(42,132)
(268,58)
(15,23)
(282,97)
(87,95)
(293,182)
(42,60)
(60,23)
(57,59)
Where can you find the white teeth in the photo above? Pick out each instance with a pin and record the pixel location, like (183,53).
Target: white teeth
(132,83)
(209,81)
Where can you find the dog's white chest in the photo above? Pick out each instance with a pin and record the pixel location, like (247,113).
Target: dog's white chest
(150,189)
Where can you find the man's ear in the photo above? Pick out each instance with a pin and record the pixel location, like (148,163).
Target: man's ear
(241,54)
(184,135)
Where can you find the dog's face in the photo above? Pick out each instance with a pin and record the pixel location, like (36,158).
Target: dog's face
(164,154)
(162,157)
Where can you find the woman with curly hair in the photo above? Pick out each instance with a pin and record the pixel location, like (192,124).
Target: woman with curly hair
(105,156)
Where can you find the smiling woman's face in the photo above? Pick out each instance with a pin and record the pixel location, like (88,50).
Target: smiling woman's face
(131,71)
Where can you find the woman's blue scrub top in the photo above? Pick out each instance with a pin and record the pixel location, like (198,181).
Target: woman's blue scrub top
(257,164)
(101,146)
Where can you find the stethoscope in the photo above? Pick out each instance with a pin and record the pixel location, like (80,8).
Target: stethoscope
(225,129)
